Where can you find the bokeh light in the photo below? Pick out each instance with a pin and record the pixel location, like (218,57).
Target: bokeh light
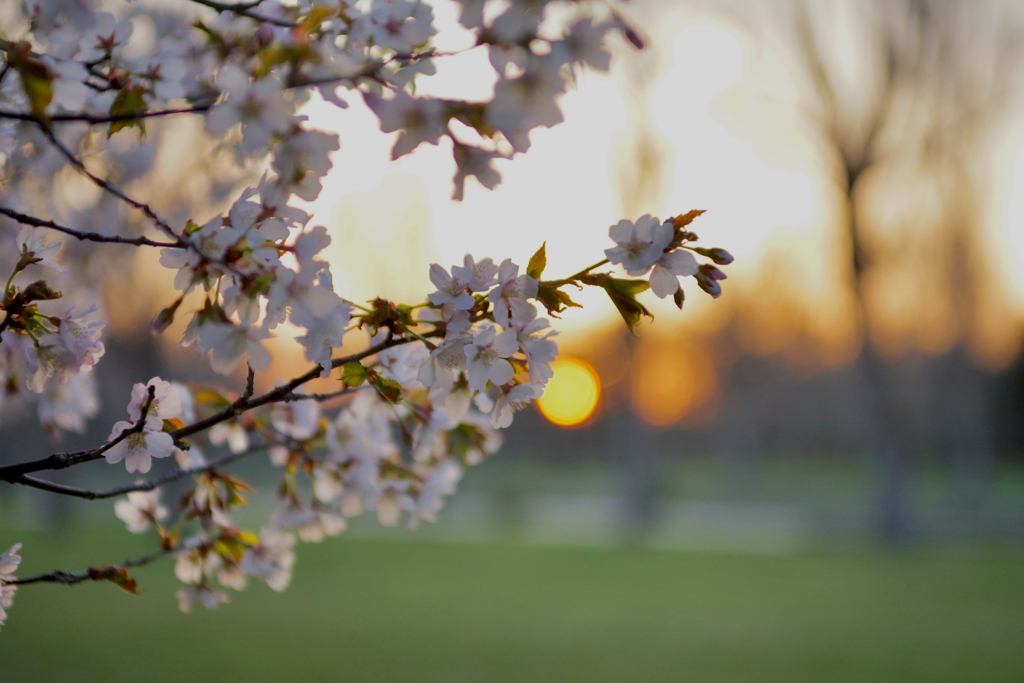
(669,382)
(571,396)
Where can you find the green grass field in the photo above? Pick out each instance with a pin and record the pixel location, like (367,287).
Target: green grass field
(361,610)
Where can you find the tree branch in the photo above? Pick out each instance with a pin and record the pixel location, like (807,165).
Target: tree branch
(106,118)
(320,398)
(60,461)
(106,184)
(84,236)
(182,243)
(71,578)
(88,494)
(244,9)
(246,402)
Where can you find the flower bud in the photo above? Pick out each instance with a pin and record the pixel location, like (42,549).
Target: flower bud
(264,34)
(716,254)
(708,284)
(712,273)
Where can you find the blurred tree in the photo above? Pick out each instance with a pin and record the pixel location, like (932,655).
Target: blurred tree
(934,76)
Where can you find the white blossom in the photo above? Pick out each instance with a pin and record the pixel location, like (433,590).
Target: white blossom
(419,120)
(271,559)
(140,509)
(9,561)
(164,406)
(260,106)
(510,296)
(451,289)
(138,448)
(640,244)
(32,243)
(486,358)
(389,500)
(512,401)
(229,343)
(669,268)
(209,598)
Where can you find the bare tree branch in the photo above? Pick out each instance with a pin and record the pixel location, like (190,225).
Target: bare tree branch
(320,398)
(92,574)
(244,9)
(84,236)
(246,402)
(60,461)
(177,474)
(96,119)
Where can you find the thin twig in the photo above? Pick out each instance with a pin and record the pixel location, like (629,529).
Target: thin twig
(84,236)
(320,398)
(60,461)
(106,184)
(96,119)
(71,578)
(177,474)
(244,9)
(141,206)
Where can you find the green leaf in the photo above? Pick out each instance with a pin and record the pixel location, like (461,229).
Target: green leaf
(129,102)
(353,374)
(39,291)
(538,262)
(36,78)
(679,297)
(554,299)
(630,287)
(388,388)
(623,295)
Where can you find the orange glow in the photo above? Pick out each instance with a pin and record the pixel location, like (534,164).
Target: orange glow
(571,396)
(670,381)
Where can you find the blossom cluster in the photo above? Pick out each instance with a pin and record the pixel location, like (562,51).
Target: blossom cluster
(437,378)
(9,561)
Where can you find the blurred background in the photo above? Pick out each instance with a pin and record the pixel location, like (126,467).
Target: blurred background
(819,476)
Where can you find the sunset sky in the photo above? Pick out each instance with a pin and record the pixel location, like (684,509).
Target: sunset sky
(724,121)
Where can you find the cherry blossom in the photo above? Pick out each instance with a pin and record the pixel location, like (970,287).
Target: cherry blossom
(419,120)
(260,106)
(271,559)
(229,343)
(141,509)
(164,405)
(511,401)
(9,561)
(486,357)
(209,598)
(640,244)
(669,268)
(34,249)
(435,378)
(511,294)
(138,448)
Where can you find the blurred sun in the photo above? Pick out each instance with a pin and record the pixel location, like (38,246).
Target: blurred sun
(572,394)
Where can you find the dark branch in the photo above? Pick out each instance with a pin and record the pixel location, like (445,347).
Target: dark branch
(60,461)
(246,402)
(106,184)
(278,394)
(141,486)
(320,398)
(144,208)
(244,9)
(71,578)
(85,236)
(106,118)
